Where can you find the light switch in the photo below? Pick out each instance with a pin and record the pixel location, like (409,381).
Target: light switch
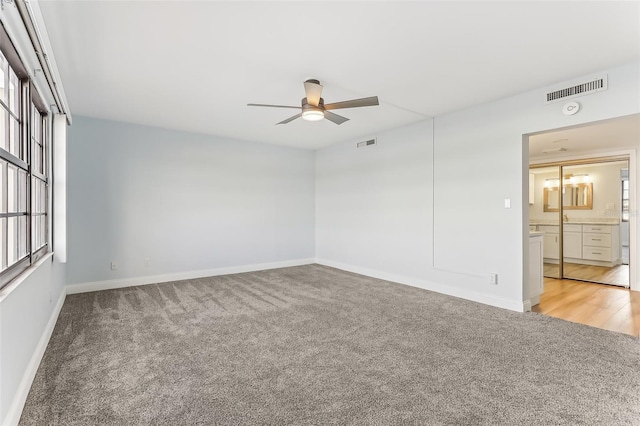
(507,203)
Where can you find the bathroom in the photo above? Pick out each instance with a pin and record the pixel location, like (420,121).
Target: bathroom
(590,233)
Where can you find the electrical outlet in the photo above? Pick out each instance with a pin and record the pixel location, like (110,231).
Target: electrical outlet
(493,278)
(114,266)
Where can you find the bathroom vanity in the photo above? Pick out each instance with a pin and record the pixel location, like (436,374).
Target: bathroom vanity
(587,243)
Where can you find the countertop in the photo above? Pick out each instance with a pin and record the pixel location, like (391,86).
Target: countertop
(536,233)
(577,222)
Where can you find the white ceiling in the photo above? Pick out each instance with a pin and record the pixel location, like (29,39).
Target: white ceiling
(195,65)
(609,135)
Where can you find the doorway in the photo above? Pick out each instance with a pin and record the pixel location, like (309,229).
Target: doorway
(582,209)
(589,227)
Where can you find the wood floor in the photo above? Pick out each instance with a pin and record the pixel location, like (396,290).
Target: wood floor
(602,306)
(618,275)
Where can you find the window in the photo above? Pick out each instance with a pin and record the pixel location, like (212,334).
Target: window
(24,182)
(39,182)
(625,194)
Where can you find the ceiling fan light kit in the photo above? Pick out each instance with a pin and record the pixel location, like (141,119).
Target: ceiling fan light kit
(313,115)
(314,109)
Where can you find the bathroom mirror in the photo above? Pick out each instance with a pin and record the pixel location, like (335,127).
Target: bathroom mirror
(578,196)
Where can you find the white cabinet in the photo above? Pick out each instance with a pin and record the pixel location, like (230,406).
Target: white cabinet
(551,243)
(572,241)
(590,244)
(534,285)
(601,243)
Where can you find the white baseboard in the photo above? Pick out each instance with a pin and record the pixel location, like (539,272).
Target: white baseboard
(155,279)
(17,405)
(512,305)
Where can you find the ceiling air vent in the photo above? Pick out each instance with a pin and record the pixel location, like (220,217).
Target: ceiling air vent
(366,143)
(592,85)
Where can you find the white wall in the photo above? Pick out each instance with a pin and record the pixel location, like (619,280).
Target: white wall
(27,316)
(478,160)
(373,203)
(186,202)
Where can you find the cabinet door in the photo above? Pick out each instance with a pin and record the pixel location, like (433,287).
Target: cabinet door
(535,284)
(572,245)
(551,246)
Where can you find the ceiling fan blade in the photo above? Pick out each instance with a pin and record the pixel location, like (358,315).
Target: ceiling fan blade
(338,119)
(313,89)
(290,119)
(353,103)
(275,106)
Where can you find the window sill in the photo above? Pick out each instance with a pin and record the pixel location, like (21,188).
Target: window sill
(5,292)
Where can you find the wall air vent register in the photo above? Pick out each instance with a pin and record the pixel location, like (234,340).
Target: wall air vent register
(364,144)
(592,85)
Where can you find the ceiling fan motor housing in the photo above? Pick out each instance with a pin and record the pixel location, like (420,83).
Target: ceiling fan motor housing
(307,107)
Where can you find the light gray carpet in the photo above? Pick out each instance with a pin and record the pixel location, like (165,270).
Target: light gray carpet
(315,345)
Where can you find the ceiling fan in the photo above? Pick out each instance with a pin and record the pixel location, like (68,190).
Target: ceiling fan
(313,106)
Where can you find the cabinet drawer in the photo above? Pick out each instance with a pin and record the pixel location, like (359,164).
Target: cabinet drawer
(548,228)
(596,253)
(572,228)
(600,229)
(598,240)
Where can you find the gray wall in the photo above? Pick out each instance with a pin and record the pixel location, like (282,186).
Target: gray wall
(186,202)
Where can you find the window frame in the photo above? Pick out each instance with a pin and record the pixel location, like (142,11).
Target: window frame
(22,158)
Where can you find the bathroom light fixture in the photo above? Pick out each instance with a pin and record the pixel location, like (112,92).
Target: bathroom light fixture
(312,114)
(552,183)
(576,179)
(568,179)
